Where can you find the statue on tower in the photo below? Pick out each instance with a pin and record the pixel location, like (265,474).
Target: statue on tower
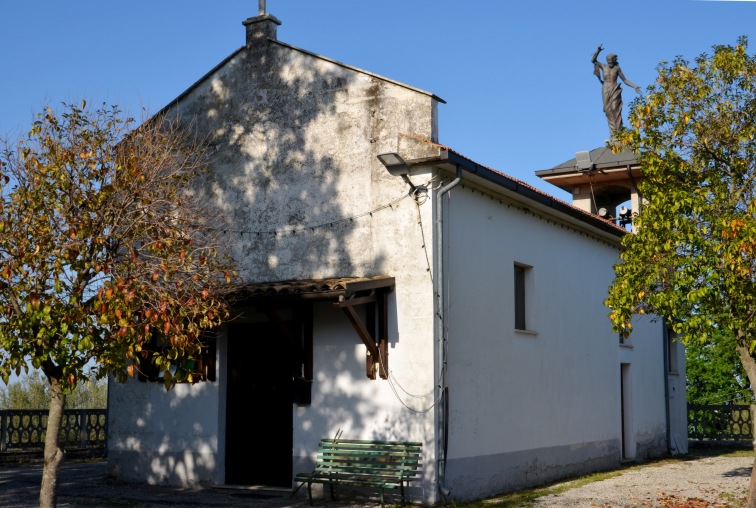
(611,90)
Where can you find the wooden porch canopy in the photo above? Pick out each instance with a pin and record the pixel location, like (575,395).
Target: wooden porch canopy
(345,293)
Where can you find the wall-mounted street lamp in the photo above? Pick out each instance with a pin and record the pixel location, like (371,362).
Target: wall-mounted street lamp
(396,166)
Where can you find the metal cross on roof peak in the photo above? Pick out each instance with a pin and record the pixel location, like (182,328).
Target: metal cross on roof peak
(261,9)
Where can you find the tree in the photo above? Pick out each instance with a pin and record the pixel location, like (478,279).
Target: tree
(33,392)
(714,373)
(693,254)
(105,255)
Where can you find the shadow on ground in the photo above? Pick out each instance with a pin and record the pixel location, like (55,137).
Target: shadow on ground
(85,484)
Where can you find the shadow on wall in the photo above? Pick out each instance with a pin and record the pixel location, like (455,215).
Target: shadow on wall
(292,144)
(354,408)
(284,128)
(159,436)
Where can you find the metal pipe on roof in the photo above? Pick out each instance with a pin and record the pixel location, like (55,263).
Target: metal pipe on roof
(442,389)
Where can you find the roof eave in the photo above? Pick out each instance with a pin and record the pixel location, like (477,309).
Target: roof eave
(524,192)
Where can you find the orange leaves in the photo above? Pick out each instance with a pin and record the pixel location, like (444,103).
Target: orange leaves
(98,212)
(35,301)
(673,501)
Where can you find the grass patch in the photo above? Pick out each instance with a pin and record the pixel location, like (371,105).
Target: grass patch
(522,498)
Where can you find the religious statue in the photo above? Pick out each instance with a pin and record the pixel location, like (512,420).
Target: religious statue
(611,89)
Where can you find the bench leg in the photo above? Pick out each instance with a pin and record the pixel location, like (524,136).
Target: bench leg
(309,492)
(332,494)
(383,505)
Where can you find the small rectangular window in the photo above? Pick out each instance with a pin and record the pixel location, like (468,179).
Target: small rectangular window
(671,351)
(520,297)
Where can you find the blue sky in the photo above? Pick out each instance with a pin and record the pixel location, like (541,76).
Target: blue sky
(516,75)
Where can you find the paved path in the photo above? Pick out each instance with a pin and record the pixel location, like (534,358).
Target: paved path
(715,481)
(707,482)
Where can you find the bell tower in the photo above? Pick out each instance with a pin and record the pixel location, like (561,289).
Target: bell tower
(600,182)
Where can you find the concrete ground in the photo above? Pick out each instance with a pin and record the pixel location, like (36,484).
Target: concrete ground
(85,484)
(703,482)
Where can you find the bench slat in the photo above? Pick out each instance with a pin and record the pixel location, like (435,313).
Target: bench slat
(365,463)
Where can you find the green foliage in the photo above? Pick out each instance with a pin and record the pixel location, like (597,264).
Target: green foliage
(693,255)
(103,247)
(32,391)
(714,372)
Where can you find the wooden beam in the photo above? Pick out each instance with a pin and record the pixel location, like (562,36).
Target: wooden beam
(356,300)
(383,333)
(363,333)
(363,285)
(371,362)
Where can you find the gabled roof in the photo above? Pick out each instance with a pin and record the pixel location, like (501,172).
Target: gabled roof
(357,69)
(601,157)
(230,57)
(605,168)
(525,192)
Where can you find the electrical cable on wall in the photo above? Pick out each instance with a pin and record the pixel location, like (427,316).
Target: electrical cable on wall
(393,383)
(282,232)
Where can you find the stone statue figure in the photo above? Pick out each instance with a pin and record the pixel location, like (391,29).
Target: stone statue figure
(611,90)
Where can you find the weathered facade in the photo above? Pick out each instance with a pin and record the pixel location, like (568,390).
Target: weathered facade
(380,313)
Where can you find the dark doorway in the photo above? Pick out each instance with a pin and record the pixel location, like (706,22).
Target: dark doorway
(258,406)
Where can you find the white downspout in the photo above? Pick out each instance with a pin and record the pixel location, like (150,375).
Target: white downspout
(442,388)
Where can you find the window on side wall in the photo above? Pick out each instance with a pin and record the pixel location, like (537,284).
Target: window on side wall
(671,352)
(523,275)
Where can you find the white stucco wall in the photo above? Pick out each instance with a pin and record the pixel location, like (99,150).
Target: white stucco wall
(527,407)
(293,145)
(163,437)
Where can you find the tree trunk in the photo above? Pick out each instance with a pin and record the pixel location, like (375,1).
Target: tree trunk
(749,365)
(53,452)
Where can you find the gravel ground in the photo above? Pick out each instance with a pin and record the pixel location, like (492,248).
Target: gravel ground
(701,483)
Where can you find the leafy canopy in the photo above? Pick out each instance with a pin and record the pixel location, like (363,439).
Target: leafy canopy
(104,252)
(32,391)
(714,374)
(693,254)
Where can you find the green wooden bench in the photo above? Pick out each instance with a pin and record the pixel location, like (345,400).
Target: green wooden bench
(351,462)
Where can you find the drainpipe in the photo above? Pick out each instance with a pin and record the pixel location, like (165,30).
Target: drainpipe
(442,389)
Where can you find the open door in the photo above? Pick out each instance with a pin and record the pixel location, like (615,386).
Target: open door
(258,406)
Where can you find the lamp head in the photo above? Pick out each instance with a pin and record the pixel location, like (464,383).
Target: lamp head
(394,164)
